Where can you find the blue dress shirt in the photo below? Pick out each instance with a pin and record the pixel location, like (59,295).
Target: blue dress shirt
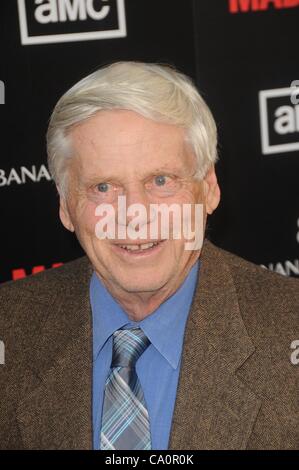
(159,366)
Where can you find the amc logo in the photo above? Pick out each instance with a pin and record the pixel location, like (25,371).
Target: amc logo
(52,21)
(279,120)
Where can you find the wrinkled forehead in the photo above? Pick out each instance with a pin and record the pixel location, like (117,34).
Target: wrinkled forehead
(122,142)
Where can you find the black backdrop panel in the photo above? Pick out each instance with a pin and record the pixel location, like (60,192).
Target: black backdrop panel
(247,58)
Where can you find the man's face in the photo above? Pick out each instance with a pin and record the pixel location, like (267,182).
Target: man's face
(122,153)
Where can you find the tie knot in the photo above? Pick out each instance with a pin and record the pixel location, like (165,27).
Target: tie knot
(128,345)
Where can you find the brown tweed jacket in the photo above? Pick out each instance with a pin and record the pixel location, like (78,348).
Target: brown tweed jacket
(237,389)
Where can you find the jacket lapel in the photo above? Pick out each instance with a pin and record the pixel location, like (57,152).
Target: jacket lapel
(214,409)
(56,412)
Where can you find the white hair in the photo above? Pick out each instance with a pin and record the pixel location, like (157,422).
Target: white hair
(157,92)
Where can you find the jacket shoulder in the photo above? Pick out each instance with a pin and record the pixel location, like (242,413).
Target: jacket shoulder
(268,299)
(259,276)
(53,276)
(42,287)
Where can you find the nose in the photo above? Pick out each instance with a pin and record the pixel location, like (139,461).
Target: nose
(137,205)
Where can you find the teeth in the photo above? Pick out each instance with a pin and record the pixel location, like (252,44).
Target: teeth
(146,245)
(132,247)
(143,246)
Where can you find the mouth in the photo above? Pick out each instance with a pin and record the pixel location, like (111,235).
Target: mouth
(140,249)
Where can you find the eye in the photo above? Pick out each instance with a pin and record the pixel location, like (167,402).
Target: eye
(160,180)
(103,187)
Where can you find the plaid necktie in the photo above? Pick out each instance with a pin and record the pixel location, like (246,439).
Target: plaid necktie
(125,419)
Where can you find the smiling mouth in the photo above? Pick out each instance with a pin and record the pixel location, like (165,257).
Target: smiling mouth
(140,247)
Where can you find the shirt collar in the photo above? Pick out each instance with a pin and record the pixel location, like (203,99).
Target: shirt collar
(107,314)
(164,327)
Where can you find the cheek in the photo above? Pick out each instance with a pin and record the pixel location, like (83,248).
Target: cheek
(85,218)
(191,194)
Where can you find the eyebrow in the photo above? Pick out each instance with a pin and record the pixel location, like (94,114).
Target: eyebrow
(110,177)
(97,179)
(173,170)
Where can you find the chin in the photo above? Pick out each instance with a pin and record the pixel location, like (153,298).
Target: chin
(144,285)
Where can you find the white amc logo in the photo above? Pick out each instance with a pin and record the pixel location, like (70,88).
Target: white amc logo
(285,120)
(61,11)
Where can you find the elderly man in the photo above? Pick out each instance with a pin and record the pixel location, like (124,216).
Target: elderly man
(147,342)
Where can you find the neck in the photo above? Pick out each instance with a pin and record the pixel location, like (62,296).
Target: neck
(139,305)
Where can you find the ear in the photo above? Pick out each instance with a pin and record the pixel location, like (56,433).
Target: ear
(64,214)
(211,190)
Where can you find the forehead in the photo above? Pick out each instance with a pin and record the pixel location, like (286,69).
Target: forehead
(126,141)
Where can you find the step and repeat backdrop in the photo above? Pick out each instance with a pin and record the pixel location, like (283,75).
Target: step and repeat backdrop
(248,68)
(46,47)
(243,56)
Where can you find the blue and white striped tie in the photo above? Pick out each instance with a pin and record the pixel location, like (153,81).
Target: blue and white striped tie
(125,419)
